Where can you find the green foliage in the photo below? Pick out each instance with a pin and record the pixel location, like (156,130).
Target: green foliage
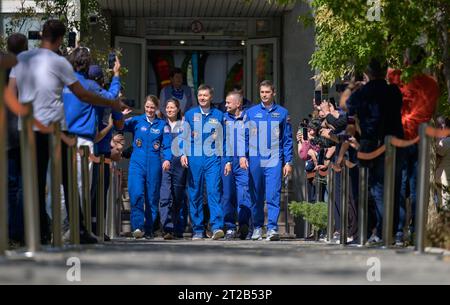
(346,38)
(315,213)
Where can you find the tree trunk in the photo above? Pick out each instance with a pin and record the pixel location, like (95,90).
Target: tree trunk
(444,43)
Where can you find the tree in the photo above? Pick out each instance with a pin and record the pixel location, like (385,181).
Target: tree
(350,32)
(63,10)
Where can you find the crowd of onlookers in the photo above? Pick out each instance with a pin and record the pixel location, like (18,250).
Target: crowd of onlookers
(71,90)
(369,108)
(75,92)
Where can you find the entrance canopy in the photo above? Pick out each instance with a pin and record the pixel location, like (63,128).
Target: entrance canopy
(194,8)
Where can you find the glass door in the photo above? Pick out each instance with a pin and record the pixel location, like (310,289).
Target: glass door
(262,64)
(134,51)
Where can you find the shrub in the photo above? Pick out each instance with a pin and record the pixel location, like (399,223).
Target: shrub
(315,213)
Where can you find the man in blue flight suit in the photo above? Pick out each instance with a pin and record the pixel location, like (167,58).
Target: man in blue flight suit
(151,139)
(202,150)
(236,196)
(267,123)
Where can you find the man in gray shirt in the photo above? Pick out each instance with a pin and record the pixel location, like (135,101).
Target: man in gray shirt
(39,78)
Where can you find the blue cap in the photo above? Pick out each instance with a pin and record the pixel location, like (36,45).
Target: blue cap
(95,72)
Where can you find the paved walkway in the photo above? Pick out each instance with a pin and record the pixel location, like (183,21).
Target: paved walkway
(208,262)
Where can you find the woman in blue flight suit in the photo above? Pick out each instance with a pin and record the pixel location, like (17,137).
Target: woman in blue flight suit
(151,139)
(173,205)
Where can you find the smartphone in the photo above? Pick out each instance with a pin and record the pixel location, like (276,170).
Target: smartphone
(111,60)
(305,134)
(318,97)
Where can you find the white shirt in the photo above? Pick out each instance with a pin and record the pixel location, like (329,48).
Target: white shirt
(41,76)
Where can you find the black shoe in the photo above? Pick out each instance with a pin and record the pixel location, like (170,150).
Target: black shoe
(106,238)
(243,231)
(148,236)
(87,239)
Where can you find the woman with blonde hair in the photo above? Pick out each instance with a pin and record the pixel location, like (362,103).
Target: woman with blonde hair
(151,155)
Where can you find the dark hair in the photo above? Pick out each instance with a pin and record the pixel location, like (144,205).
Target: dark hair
(53,30)
(175,71)
(80,58)
(377,69)
(267,83)
(206,87)
(177,104)
(17,43)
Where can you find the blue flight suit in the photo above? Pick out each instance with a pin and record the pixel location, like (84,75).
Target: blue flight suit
(173,203)
(269,148)
(236,196)
(144,177)
(204,159)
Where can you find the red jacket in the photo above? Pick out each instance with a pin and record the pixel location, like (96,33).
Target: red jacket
(420,97)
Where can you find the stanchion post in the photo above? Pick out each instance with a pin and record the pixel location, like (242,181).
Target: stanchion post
(111,208)
(74,205)
(55,176)
(423,189)
(30,182)
(331,201)
(305,222)
(86,192)
(3,171)
(344,204)
(286,205)
(389,191)
(101,201)
(363,204)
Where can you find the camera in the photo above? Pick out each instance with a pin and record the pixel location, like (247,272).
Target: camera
(111,60)
(318,97)
(129,102)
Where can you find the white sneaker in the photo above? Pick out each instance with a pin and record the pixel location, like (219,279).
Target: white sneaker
(273,235)
(218,234)
(257,234)
(137,234)
(374,240)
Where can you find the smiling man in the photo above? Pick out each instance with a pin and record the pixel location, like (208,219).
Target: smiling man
(204,147)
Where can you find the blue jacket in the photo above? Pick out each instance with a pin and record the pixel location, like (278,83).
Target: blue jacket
(204,128)
(102,114)
(80,116)
(149,139)
(235,132)
(272,125)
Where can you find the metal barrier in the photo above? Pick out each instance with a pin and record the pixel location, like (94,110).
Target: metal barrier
(389,192)
(86,187)
(101,201)
(306,230)
(55,176)
(30,182)
(74,205)
(286,205)
(363,205)
(423,188)
(331,201)
(113,208)
(345,183)
(3,171)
